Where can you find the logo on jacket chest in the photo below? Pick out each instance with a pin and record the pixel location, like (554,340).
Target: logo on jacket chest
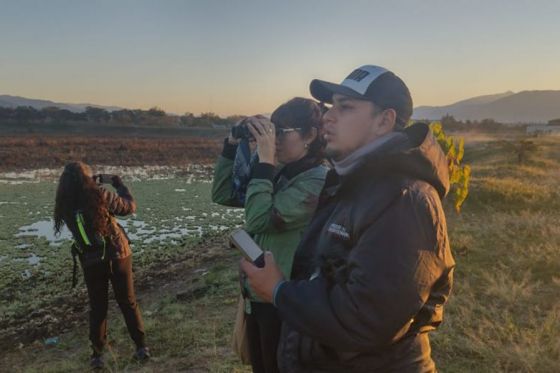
(339,231)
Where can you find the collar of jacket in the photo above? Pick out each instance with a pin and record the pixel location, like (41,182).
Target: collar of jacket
(293,169)
(388,141)
(417,156)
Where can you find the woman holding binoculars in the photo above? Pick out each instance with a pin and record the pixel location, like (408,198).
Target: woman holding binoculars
(279,199)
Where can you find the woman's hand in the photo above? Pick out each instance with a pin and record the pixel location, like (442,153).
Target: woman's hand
(116,181)
(263,131)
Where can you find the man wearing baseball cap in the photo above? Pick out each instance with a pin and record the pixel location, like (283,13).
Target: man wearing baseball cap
(374,269)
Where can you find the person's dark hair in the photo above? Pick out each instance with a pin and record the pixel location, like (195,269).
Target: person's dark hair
(302,113)
(78,191)
(400,123)
(399,126)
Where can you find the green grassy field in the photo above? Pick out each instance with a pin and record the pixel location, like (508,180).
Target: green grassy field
(503,315)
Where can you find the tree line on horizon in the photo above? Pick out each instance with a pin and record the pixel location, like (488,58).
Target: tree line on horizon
(449,122)
(156,117)
(27,115)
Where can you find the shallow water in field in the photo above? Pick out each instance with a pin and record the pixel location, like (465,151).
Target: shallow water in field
(174,208)
(44,229)
(189,173)
(137,230)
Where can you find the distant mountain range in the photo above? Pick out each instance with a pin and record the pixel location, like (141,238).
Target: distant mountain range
(507,107)
(15,101)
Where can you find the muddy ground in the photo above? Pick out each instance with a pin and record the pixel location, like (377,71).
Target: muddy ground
(181,277)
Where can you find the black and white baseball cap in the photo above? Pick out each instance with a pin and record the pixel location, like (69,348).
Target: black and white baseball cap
(372,83)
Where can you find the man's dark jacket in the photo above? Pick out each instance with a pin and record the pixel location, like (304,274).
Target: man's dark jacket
(378,256)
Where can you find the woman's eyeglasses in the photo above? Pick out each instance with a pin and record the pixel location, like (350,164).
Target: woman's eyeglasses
(280,132)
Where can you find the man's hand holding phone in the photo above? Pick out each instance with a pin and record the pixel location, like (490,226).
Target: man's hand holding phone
(263,280)
(262,272)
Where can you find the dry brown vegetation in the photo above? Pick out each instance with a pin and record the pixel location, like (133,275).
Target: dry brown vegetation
(32,152)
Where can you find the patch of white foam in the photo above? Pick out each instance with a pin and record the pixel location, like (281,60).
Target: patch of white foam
(136,229)
(34,259)
(233,211)
(219,228)
(174,233)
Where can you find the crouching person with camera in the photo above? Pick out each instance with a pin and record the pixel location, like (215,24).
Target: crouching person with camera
(279,192)
(102,246)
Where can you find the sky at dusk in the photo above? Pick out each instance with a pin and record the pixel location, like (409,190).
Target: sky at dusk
(247,57)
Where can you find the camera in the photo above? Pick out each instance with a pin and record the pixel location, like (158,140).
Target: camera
(104,178)
(241,131)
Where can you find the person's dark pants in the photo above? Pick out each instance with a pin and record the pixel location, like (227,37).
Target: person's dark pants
(97,276)
(263,330)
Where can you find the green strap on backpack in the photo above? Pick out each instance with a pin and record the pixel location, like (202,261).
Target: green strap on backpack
(80,222)
(89,254)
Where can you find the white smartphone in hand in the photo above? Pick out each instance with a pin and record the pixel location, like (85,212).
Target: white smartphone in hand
(249,248)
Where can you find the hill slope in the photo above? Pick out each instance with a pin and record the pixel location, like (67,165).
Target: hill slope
(507,107)
(15,101)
